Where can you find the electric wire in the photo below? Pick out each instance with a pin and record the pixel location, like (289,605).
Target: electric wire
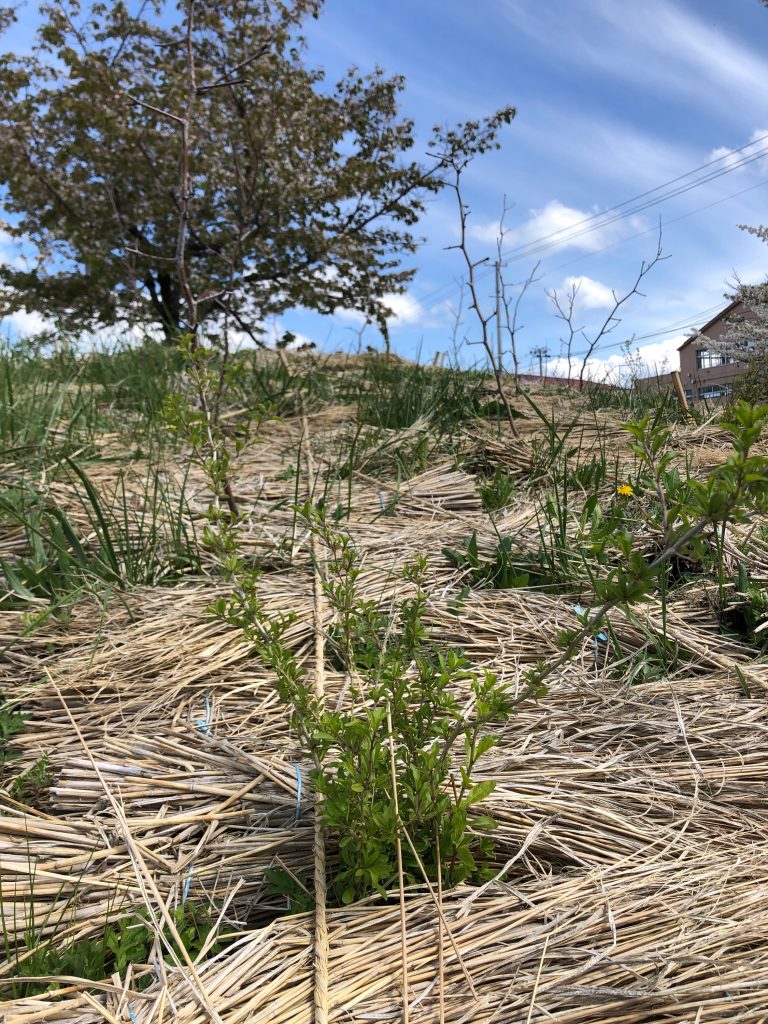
(538,246)
(657,188)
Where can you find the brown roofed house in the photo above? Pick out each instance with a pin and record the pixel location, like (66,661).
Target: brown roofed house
(708,372)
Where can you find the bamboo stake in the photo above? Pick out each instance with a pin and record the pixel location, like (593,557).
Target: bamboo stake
(682,401)
(399,848)
(320,995)
(440,951)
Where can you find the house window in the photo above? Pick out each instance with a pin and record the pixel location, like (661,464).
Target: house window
(689,394)
(706,359)
(716,391)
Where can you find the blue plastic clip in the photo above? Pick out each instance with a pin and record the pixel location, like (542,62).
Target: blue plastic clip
(298,792)
(204,724)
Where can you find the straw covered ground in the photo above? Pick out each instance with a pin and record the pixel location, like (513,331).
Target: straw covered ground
(630,863)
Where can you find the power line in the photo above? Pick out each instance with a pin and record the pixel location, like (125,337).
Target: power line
(653,230)
(601,220)
(657,188)
(538,245)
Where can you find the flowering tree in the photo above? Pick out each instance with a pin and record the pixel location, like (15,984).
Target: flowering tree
(129,137)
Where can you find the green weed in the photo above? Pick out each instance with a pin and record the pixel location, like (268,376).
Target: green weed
(31,785)
(286,885)
(496,490)
(11,724)
(500,572)
(129,940)
(146,543)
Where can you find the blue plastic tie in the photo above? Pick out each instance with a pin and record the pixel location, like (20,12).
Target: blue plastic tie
(204,724)
(298,792)
(187,883)
(600,637)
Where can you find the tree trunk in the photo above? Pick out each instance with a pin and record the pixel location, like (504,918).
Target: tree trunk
(164,294)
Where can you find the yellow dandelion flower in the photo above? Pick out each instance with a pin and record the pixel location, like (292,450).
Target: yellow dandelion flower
(625,490)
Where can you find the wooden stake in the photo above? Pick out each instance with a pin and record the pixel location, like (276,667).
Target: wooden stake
(320,992)
(399,847)
(682,401)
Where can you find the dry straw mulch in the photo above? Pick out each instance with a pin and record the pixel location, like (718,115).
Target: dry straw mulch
(629,877)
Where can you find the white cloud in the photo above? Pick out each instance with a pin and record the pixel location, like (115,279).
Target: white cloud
(23,324)
(734,161)
(557,226)
(406,309)
(590,294)
(618,368)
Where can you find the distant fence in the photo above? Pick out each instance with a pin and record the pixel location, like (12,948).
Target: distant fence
(571,382)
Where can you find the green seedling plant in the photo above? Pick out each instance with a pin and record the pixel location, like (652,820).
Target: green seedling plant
(404,693)
(194,417)
(732,493)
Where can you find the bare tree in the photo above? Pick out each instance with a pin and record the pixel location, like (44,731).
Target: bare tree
(566,311)
(456,149)
(457,312)
(510,296)
(511,304)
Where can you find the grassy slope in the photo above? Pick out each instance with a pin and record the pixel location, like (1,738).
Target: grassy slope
(631,802)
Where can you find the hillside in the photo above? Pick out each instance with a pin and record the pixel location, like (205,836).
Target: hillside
(157,834)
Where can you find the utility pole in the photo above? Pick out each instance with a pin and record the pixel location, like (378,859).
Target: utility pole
(542,353)
(499,347)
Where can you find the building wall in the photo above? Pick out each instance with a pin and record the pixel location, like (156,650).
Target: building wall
(698,381)
(701,382)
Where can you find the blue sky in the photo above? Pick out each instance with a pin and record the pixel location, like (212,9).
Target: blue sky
(613,99)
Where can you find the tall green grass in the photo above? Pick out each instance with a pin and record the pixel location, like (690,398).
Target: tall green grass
(44,407)
(53,406)
(135,379)
(99,541)
(632,402)
(395,395)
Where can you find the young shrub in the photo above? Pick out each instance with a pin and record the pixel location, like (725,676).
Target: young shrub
(405,697)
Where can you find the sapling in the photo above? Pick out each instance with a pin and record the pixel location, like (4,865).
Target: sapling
(732,493)
(195,421)
(403,693)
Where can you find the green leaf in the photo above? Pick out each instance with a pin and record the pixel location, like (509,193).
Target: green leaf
(480,792)
(484,744)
